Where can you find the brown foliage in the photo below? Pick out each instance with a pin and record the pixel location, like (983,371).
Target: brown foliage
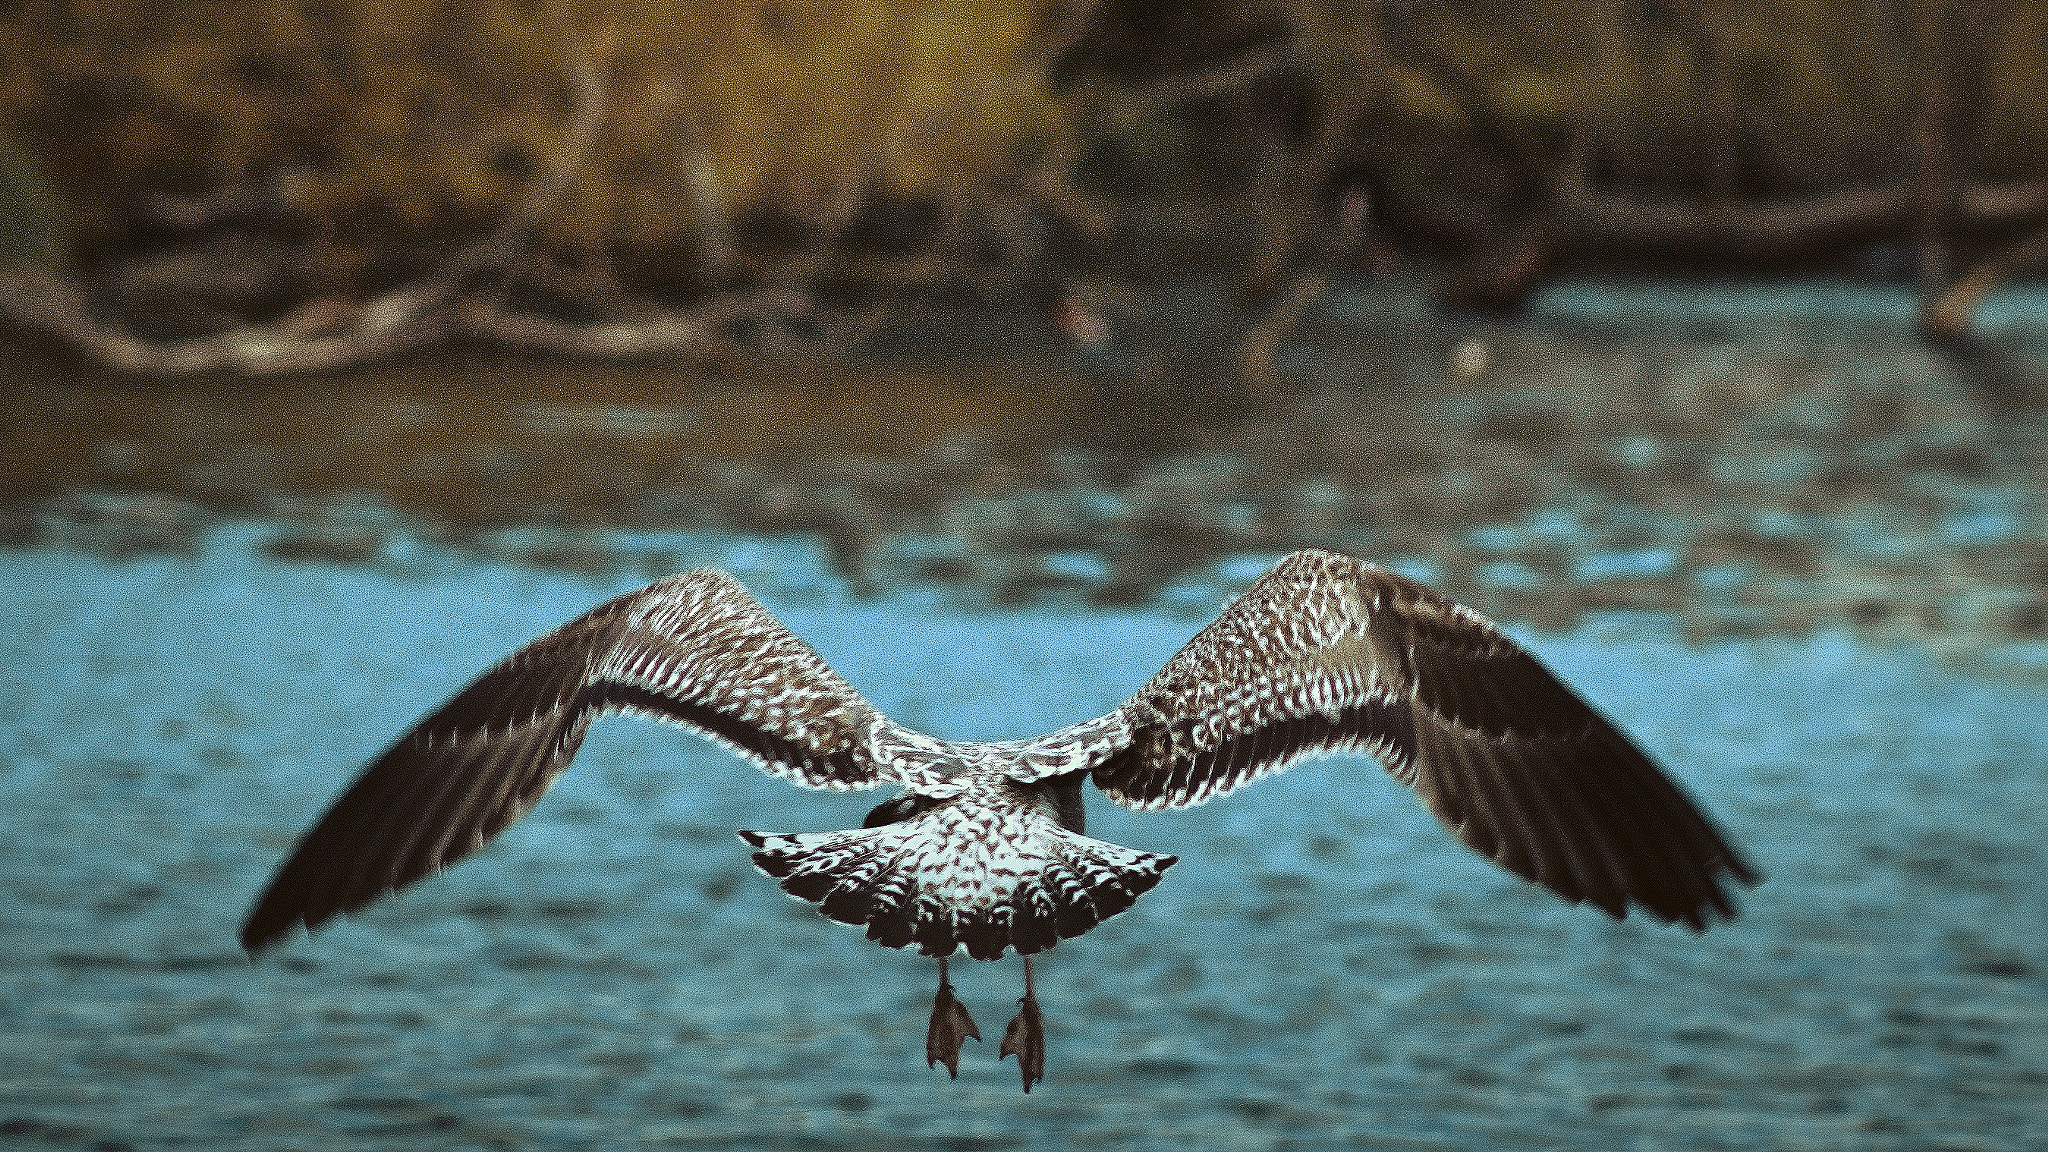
(373,117)
(235,167)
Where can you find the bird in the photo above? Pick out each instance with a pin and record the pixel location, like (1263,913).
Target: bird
(984,848)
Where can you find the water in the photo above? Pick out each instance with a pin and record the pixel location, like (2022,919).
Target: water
(1687,454)
(1323,966)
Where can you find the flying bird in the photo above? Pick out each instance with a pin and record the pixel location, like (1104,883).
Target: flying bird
(985,849)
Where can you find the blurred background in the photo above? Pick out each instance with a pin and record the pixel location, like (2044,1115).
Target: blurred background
(347,346)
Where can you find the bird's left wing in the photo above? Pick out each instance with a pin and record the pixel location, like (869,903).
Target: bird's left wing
(1325,653)
(694,649)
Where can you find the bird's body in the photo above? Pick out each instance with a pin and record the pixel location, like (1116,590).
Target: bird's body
(985,850)
(993,863)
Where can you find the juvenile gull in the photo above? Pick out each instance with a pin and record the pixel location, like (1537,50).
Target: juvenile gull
(984,850)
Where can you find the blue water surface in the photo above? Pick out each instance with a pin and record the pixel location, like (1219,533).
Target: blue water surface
(1324,967)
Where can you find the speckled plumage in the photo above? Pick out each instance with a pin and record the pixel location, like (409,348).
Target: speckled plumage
(989,869)
(985,850)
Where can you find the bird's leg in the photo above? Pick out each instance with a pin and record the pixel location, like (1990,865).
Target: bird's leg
(1025,1038)
(950,1028)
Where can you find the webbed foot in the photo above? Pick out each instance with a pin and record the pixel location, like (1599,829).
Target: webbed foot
(951,1027)
(1025,1039)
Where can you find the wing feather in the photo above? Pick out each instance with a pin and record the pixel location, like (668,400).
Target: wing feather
(694,650)
(1325,653)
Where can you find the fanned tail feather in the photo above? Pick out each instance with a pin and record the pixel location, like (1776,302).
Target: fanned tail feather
(923,882)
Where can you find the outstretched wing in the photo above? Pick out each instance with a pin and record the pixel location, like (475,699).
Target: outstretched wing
(694,649)
(1326,653)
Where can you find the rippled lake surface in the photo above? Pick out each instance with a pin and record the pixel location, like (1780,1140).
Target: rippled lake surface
(1323,967)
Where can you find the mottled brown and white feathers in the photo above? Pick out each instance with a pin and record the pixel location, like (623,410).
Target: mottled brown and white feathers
(694,649)
(1000,866)
(1326,653)
(985,850)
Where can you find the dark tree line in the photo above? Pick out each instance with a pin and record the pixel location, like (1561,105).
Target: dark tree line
(260,196)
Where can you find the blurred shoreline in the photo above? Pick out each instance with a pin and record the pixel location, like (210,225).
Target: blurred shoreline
(1741,457)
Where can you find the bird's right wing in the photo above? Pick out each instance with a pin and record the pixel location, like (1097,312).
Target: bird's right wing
(694,649)
(1325,653)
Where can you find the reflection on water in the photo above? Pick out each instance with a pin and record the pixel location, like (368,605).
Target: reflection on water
(1743,478)
(1807,562)
(1324,967)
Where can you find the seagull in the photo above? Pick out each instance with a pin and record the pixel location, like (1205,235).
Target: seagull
(984,849)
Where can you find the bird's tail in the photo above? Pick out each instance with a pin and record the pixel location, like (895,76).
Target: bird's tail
(960,876)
